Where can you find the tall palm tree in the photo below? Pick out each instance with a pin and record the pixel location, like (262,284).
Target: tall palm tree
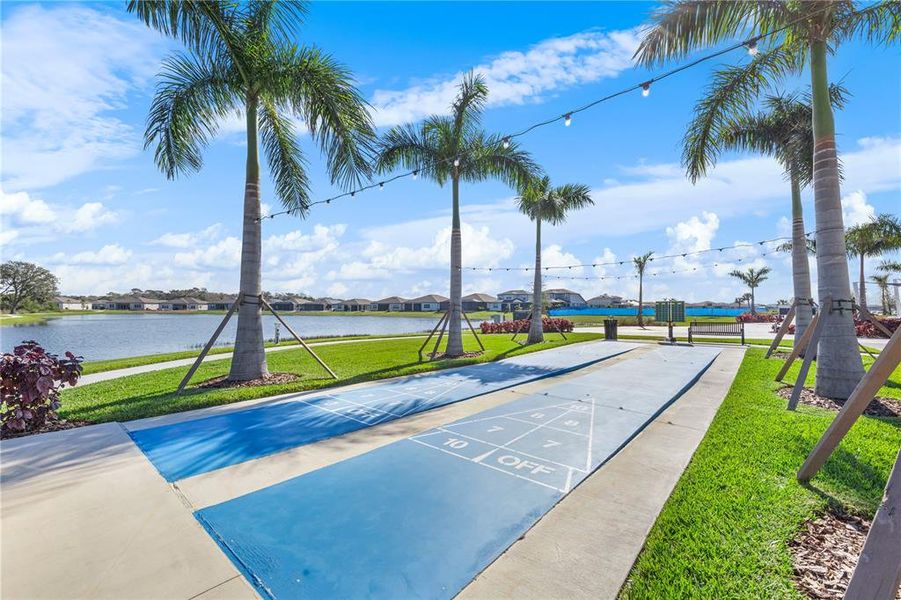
(807,31)
(783,130)
(242,59)
(882,282)
(877,236)
(455,148)
(640,263)
(543,203)
(752,278)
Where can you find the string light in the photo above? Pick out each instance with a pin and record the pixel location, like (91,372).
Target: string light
(415,175)
(752,47)
(381,186)
(749,45)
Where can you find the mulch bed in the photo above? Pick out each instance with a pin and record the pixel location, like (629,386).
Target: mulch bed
(878,407)
(271,379)
(825,553)
(60,425)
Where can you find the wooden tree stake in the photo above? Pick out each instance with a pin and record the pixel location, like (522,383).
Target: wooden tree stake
(799,346)
(298,338)
(783,329)
(209,344)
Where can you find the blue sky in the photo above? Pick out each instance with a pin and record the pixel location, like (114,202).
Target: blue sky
(82,197)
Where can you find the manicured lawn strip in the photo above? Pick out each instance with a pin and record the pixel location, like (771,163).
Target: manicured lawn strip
(151,394)
(99,366)
(724,531)
(785,344)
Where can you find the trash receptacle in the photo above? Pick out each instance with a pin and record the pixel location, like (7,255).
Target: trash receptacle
(610,329)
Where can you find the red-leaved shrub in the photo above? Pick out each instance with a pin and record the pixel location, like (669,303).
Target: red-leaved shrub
(549,324)
(30,381)
(757,318)
(866,329)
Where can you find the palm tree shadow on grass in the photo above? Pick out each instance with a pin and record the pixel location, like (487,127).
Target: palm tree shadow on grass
(846,472)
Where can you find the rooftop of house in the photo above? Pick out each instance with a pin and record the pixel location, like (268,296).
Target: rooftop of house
(391,300)
(514,293)
(479,298)
(560,291)
(430,298)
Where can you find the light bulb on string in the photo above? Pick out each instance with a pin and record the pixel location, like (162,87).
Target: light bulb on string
(381,186)
(751,45)
(506,142)
(567,119)
(646,89)
(456,162)
(415,174)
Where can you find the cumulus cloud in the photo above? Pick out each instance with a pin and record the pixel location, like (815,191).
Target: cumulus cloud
(224,254)
(71,67)
(187,240)
(111,254)
(856,210)
(518,77)
(26,217)
(88,216)
(25,209)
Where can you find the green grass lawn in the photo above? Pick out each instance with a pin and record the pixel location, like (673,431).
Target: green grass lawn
(724,531)
(99,366)
(598,320)
(151,394)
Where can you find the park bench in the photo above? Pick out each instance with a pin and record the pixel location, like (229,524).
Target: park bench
(705,328)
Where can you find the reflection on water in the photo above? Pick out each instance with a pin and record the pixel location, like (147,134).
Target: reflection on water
(103,336)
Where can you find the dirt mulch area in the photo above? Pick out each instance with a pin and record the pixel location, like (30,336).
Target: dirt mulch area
(48,427)
(440,355)
(879,407)
(271,379)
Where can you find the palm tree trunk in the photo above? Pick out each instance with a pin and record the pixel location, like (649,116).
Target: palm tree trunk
(753,305)
(862,300)
(800,261)
(839,366)
(640,297)
(455,331)
(536,327)
(249,359)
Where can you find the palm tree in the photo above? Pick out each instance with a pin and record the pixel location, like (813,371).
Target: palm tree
(455,148)
(640,263)
(890,266)
(752,278)
(807,31)
(879,235)
(882,282)
(243,59)
(784,131)
(543,203)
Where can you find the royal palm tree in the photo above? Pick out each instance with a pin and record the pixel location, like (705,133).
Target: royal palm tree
(543,203)
(752,278)
(806,32)
(882,282)
(640,263)
(242,60)
(874,238)
(783,130)
(454,148)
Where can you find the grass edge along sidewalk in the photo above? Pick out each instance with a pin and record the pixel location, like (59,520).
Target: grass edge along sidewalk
(152,394)
(725,529)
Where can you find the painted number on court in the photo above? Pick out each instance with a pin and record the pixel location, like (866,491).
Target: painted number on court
(456,444)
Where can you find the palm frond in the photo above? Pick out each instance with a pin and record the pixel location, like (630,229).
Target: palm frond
(680,26)
(485,157)
(287,164)
(321,91)
(280,19)
(199,24)
(191,97)
(468,105)
(413,148)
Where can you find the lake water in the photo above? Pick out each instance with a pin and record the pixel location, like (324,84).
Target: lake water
(103,336)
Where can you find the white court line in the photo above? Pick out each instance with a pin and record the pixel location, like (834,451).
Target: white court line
(518,476)
(590,437)
(530,422)
(505,447)
(335,412)
(366,406)
(569,481)
(518,412)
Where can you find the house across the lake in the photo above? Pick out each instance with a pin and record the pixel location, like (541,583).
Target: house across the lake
(352,305)
(67,303)
(515,300)
(474,302)
(390,304)
(221,303)
(564,297)
(428,303)
(606,301)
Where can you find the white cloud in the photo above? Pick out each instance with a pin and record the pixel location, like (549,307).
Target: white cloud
(187,240)
(111,254)
(65,70)
(25,209)
(323,236)
(224,254)
(37,219)
(88,216)
(516,77)
(480,248)
(856,210)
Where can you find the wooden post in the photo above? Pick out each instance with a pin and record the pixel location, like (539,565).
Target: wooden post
(473,330)
(298,338)
(866,314)
(519,328)
(854,406)
(805,368)
(783,329)
(209,344)
(799,346)
(426,342)
(440,336)
(878,572)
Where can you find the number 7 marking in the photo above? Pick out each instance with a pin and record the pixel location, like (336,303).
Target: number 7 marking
(551,444)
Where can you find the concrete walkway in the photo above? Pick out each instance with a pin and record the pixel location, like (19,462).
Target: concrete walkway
(187,362)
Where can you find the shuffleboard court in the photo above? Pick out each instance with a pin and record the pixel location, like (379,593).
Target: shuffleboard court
(202,445)
(420,518)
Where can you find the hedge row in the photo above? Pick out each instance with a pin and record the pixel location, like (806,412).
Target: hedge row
(549,324)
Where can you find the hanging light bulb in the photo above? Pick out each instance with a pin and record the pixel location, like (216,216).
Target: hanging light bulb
(381,186)
(506,142)
(646,89)
(352,194)
(751,45)
(415,174)
(456,162)
(568,119)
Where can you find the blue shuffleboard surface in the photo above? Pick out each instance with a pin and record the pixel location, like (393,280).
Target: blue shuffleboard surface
(202,445)
(420,518)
